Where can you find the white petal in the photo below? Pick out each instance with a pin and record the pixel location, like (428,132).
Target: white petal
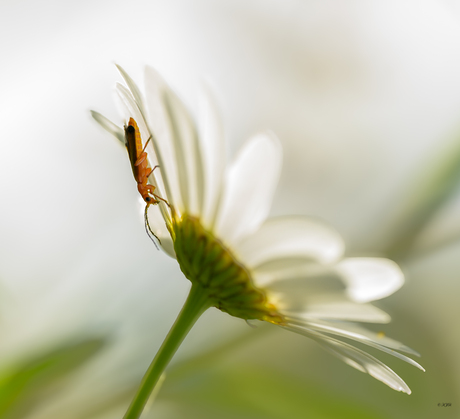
(158,121)
(212,146)
(249,187)
(133,89)
(176,134)
(362,335)
(377,369)
(286,269)
(357,359)
(370,279)
(109,126)
(314,292)
(290,237)
(312,287)
(188,154)
(336,309)
(158,227)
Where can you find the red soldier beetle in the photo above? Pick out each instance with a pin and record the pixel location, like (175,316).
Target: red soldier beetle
(141,170)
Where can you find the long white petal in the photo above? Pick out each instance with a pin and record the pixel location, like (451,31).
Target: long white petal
(335,309)
(361,335)
(377,369)
(357,358)
(188,153)
(249,187)
(158,120)
(176,133)
(133,89)
(321,296)
(291,237)
(370,279)
(212,146)
(310,286)
(287,269)
(109,126)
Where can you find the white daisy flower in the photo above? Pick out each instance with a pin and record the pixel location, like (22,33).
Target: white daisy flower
(288,271)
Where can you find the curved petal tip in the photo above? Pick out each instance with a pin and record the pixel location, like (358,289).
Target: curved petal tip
(370,279)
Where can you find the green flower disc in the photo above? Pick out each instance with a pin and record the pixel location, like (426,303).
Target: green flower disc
(207,263)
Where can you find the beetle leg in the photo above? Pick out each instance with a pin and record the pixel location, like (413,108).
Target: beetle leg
(151,170)
(141,159)
(146,144)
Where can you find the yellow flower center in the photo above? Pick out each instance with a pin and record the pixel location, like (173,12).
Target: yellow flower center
(206,262)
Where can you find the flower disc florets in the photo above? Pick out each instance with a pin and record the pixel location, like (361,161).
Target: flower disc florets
(207,262)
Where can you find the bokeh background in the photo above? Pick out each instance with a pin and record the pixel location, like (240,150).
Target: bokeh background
(365,97)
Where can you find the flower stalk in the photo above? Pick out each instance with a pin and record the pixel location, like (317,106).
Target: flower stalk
(196,304)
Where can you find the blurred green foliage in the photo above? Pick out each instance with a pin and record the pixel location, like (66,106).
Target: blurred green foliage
(252,392)
(34,380)
(434,185)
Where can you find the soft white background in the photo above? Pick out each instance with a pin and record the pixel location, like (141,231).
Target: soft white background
(362,94)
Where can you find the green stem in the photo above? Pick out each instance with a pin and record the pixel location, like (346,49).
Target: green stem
(196,304)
